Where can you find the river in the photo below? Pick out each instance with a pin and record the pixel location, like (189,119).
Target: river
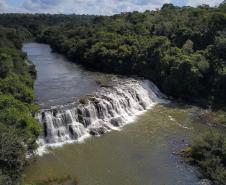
(139,154)
(58,80)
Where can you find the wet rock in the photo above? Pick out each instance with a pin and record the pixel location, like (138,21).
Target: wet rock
(86,122)
(73,132)
(116,121)
(97,131)
(79,111)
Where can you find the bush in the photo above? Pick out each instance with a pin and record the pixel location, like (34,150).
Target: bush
(18,129)
(209,153)
(12,154)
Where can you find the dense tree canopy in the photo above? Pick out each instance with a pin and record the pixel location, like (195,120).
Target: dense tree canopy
(18,128)
(182,49)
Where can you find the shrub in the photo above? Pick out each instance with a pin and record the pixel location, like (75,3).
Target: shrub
(209,153)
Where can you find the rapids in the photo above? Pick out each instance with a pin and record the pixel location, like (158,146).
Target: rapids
(74,107)
(110,108)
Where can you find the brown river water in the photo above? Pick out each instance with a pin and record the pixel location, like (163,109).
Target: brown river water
(139,154)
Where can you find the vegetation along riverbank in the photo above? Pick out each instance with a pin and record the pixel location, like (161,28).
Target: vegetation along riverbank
(181,49)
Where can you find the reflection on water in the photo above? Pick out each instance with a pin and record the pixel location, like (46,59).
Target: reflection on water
(140,154)
(58,80)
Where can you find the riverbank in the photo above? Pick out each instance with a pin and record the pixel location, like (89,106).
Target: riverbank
(207,152)
(181,121)
(18,128)
(131,154)
(180,48)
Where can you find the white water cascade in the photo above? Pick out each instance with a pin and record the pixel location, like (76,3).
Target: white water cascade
(110,108)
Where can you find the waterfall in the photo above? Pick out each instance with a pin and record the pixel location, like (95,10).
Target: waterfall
(110,108)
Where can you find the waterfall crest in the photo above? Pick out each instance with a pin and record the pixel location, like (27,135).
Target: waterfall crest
(110,108)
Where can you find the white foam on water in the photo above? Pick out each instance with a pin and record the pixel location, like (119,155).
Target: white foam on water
(110,108)
(177,123)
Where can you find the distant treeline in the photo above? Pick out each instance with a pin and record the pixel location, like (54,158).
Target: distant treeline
(183,50)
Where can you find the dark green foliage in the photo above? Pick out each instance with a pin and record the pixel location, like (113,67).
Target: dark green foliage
(13,85)
(18,128)
(6,65)
(12,155)
(13,37)
(209,153)
(180,49)
(15,113)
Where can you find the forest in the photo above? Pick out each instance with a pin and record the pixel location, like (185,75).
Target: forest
(18,127)
(181,49)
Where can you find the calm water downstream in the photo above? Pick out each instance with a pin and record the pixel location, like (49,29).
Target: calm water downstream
(140,154)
